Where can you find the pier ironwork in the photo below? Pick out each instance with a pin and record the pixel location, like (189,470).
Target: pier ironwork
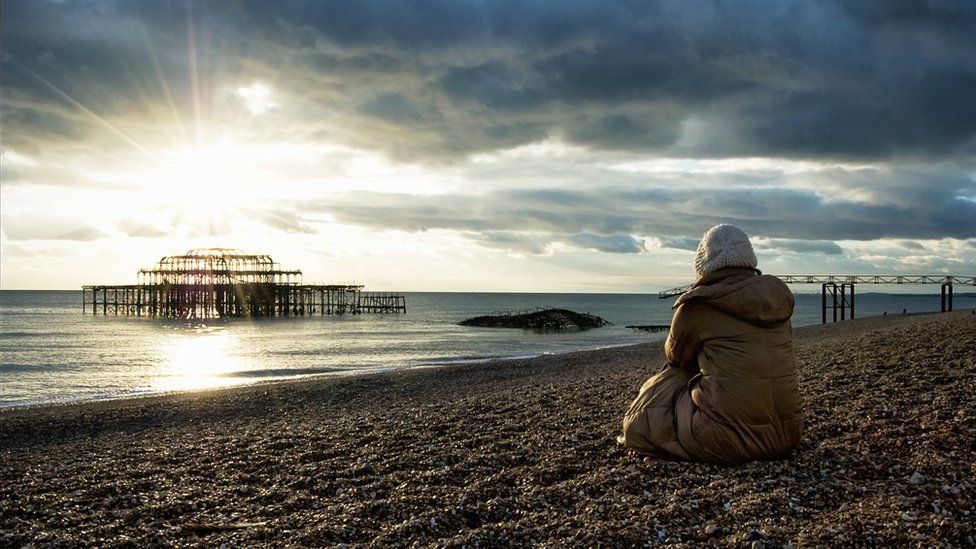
(225,282)
(840,289)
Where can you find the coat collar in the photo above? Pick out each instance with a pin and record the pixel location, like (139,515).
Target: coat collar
(701,286)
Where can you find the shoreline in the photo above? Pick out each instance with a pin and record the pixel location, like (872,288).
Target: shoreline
(509,453)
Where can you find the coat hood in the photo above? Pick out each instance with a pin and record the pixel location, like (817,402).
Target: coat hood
(758,299)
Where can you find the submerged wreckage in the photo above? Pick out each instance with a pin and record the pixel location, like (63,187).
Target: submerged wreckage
(540,319)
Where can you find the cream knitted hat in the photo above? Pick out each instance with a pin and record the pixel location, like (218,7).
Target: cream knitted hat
(723,246)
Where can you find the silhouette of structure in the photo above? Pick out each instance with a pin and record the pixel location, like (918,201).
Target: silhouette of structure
(840,289)
(226,282)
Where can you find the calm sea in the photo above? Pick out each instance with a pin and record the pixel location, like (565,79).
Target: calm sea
(51,352)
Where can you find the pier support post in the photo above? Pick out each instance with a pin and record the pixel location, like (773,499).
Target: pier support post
(852,301)
(946,297)
(841,297)
(846,301)
(823,303)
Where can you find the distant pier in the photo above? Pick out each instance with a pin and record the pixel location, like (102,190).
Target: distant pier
(227,283)
(837,291)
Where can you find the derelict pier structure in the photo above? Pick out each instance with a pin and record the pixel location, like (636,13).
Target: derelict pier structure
(225,282)
(837,291)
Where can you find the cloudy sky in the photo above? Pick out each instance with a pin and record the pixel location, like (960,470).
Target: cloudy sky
(496,146)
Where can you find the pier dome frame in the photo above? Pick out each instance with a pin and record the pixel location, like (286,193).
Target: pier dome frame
(218,266)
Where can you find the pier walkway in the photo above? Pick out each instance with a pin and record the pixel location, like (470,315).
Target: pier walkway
(837,291)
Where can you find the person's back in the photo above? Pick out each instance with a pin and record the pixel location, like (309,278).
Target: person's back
(729,393)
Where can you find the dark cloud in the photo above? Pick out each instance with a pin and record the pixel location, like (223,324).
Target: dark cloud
(512,241)
(29,128)
(799,246)
(792,79)
(492,85)
(392,107)
(624,132)
(795,220)
(911,245)
(680,242)
(46,228)
(539,243)
(613,243)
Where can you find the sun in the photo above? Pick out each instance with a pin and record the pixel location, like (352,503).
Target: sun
(206,187)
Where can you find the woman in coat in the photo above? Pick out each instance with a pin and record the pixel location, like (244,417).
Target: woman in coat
(729,391)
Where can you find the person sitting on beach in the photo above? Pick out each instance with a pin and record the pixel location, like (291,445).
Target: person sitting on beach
(729,392)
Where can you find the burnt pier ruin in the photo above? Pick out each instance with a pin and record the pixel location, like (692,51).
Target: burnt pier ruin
(225,282)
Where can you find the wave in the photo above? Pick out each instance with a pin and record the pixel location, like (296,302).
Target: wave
(284,372)
(10,368)
(38,334)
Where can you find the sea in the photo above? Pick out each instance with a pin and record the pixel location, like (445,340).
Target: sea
(50,352)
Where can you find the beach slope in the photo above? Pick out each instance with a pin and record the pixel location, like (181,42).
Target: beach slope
(509,453)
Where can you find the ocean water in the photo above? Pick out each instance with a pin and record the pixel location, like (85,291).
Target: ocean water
(51,352)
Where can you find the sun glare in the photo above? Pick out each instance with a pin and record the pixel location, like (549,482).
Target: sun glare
(205,186)
(198,360)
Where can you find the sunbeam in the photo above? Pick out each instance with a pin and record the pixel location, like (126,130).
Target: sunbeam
(98,119)
(194,73)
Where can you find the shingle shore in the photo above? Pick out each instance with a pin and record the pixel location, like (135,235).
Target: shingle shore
(509,453)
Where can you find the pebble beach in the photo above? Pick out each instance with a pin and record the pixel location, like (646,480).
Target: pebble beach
(509,453)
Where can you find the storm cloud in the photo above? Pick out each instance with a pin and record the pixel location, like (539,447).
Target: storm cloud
(861,113)
(783,79)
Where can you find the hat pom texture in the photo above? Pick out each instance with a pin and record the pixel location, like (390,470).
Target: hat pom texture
(724,246)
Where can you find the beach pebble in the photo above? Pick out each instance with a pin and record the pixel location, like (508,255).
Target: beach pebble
(506,483)
(750,535)
(916,478)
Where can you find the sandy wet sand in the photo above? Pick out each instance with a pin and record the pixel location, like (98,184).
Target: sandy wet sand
(509,453)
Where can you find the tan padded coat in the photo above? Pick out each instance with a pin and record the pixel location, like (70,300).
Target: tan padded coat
(729,393)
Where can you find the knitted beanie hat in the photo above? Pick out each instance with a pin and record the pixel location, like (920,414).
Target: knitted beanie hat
(723,246)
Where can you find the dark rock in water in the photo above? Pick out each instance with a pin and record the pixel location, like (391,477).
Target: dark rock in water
(543,319)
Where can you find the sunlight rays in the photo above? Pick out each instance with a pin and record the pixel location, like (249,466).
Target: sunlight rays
(194,74)
(88,112)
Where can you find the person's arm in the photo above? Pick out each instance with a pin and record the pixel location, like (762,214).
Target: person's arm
(684,339)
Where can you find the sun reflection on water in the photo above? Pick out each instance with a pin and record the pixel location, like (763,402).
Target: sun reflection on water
(201,359)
